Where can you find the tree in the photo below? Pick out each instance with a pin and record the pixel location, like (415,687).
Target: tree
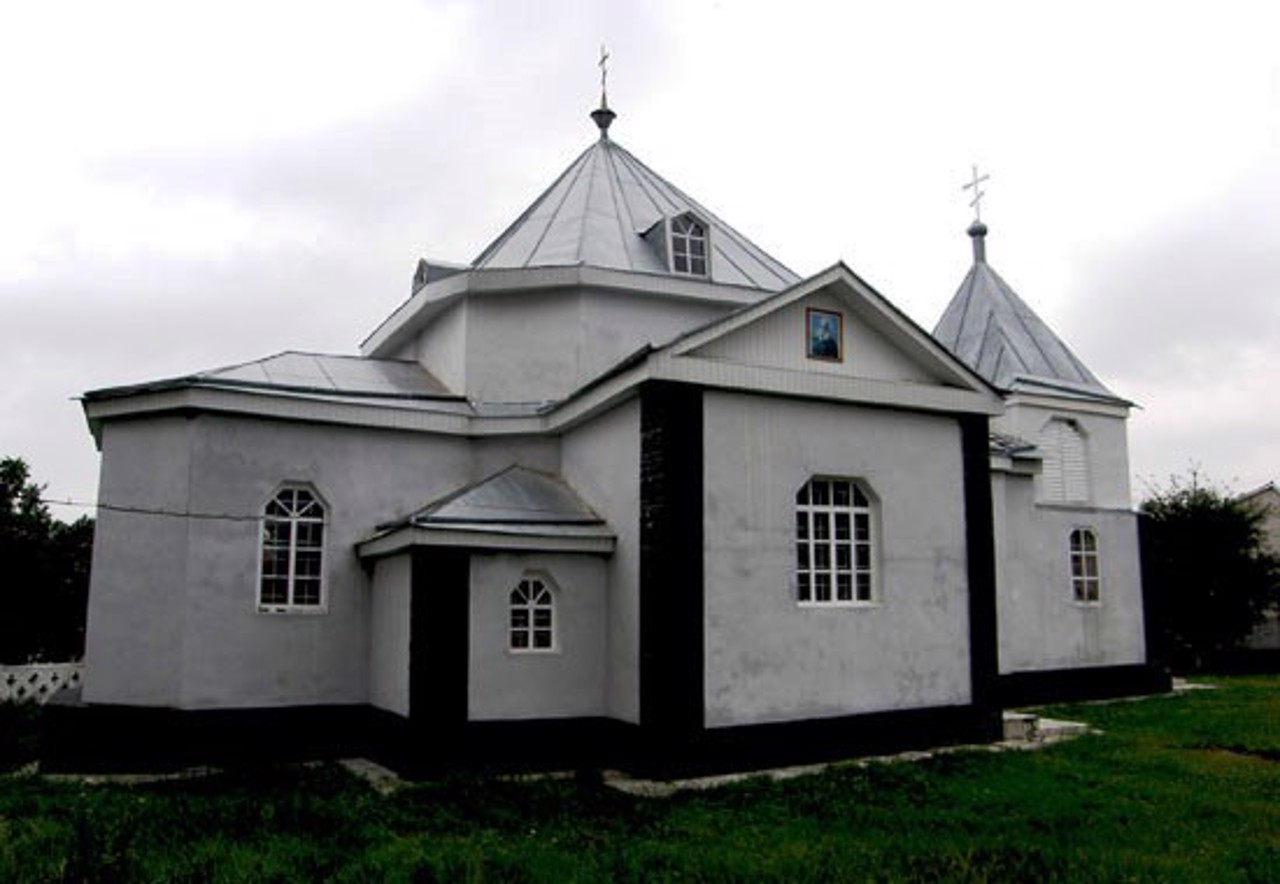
(1207,570)
(44,573)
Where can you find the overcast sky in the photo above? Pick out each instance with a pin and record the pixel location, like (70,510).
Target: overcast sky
(185,185)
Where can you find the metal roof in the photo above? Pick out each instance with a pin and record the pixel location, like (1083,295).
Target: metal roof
(598,213)
(313,373)
(997,335)
(515,496)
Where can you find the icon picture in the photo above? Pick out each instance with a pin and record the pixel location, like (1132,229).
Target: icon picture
(823,334)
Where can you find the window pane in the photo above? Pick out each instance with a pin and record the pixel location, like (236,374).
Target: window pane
(840,493)
(861,526)
(519,618)
(802,496)
(1090,566)
(802,587)
(844,588)
(802,556)
(864,586)
(542,638)
(307,563)
(864,555)
(844,557)
(842,526)
(519,639)
(822,587)
(802,526)
(859,499)
(275,591)
(681,263)
(821,492)
(306,592)
(699,266)
(542,618)
(310,534)
(822,526)
(822,557)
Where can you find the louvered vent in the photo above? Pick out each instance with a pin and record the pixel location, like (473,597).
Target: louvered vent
(1064,477)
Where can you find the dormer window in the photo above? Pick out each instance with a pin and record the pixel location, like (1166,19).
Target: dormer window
(688,246)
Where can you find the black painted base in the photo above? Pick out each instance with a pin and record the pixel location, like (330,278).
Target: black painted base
(97,738)
(1087,683)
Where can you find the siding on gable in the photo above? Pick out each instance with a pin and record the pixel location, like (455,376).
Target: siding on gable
(778,341)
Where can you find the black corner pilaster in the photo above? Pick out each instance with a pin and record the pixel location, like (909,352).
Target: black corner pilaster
(980,543)
(671,564)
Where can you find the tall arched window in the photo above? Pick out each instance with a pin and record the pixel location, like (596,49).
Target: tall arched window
(688,246)
(1064,475)
(1086,580)
(531,625)
(835,545)
(292,551)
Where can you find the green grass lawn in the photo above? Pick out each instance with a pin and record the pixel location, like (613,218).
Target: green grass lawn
(1176,789)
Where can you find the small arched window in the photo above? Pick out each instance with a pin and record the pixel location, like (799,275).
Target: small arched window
(835,543)
(1086,580)
(531,616)
(688,246)
(292,551)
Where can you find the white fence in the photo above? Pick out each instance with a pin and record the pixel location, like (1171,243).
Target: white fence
(37,682)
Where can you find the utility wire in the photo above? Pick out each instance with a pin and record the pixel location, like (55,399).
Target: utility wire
(147,511)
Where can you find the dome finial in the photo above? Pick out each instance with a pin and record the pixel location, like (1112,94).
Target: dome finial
(602,115)
(977,230)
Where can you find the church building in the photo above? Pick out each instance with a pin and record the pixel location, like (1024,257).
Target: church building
(624,488)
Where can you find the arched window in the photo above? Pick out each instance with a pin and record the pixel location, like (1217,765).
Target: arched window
(531,624)
(835,544)
(1064,474)
(1086,581)
(688,246)
(292,551)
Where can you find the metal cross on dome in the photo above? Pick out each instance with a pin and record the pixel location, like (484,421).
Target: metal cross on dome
(604,76)
(978,193)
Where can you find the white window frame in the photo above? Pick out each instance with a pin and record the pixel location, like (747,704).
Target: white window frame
(299,521)
(524,625)
(835,547)
(1086,587)
(682,246)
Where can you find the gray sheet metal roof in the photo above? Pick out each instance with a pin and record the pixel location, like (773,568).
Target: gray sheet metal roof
(597,213)
(997,335)
(314,373)
(516,496)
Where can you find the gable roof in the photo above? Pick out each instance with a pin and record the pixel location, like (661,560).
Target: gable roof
(995,333)
(598,212)
(873,309)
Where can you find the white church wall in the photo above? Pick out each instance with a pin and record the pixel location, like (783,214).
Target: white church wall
(389,630)
(779,341)
(233,655)
(601,460)
(136,613)
(614,324)
(441,348)
(767,657)
(1041,626)
(567,681)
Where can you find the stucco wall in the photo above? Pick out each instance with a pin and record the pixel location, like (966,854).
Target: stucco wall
(1041,626)
(564,682)
(601,460)
(389,630)
(534,346)
(442,347)
(137,604)
(768,658)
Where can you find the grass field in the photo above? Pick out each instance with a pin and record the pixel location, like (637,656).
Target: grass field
(1176,789)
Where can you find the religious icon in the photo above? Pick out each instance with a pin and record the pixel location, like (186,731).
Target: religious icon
(823,334)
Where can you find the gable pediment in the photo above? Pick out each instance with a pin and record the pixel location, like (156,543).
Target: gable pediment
(832,324)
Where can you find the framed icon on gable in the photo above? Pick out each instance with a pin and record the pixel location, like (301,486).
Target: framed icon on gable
(824,335)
